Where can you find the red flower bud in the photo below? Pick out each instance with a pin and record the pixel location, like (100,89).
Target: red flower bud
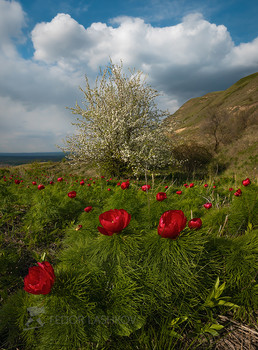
(72,194)
(161,196)
(237,194)
(125,185)
(41,187)
(195,223)
(207,205)
(146,188)
(87,209)
(246,182)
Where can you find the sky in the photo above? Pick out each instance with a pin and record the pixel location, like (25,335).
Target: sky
(186,48)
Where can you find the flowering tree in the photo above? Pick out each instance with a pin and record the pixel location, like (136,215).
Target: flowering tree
(120,128)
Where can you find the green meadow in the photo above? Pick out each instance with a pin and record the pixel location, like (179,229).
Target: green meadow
(132,289)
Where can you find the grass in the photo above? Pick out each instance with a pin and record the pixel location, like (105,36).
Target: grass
(134,289)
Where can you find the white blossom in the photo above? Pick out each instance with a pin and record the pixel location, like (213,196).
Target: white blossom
(119,124)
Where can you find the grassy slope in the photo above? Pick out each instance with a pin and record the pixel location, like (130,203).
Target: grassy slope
(189,120)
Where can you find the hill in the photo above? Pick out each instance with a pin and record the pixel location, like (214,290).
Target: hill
(223,122)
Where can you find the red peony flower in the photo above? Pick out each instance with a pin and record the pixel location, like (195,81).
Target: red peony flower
(231,189)
(206,185)
(166,187)
(113,221)
(34,183)
(87,209)
(17,182)
(185,185)
(191,185)
(118,184)
(171,223)
(88,185)
(60,179)
(109,189)
(214,186)
(125,185)
(145,188)
(161,196)
(246,182)
(40,279)
(82,182)
(195,223)
(179,192)
(41,187)
(72,194)
(102,177)
(207,205)
(238,193)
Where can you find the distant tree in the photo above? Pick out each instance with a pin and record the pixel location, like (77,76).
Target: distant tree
(120,128)
(212,127)
(224,127)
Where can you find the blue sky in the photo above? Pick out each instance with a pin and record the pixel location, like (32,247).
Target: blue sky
(187,48)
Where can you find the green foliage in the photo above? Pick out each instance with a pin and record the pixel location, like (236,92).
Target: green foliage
(192,157)
(133,289)
(244,211)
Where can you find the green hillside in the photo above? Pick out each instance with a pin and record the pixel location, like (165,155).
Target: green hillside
(225,122)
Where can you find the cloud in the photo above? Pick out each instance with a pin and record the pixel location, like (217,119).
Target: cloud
(12,19)
(244,55)
(182,61)
(194,41)
(31,129)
